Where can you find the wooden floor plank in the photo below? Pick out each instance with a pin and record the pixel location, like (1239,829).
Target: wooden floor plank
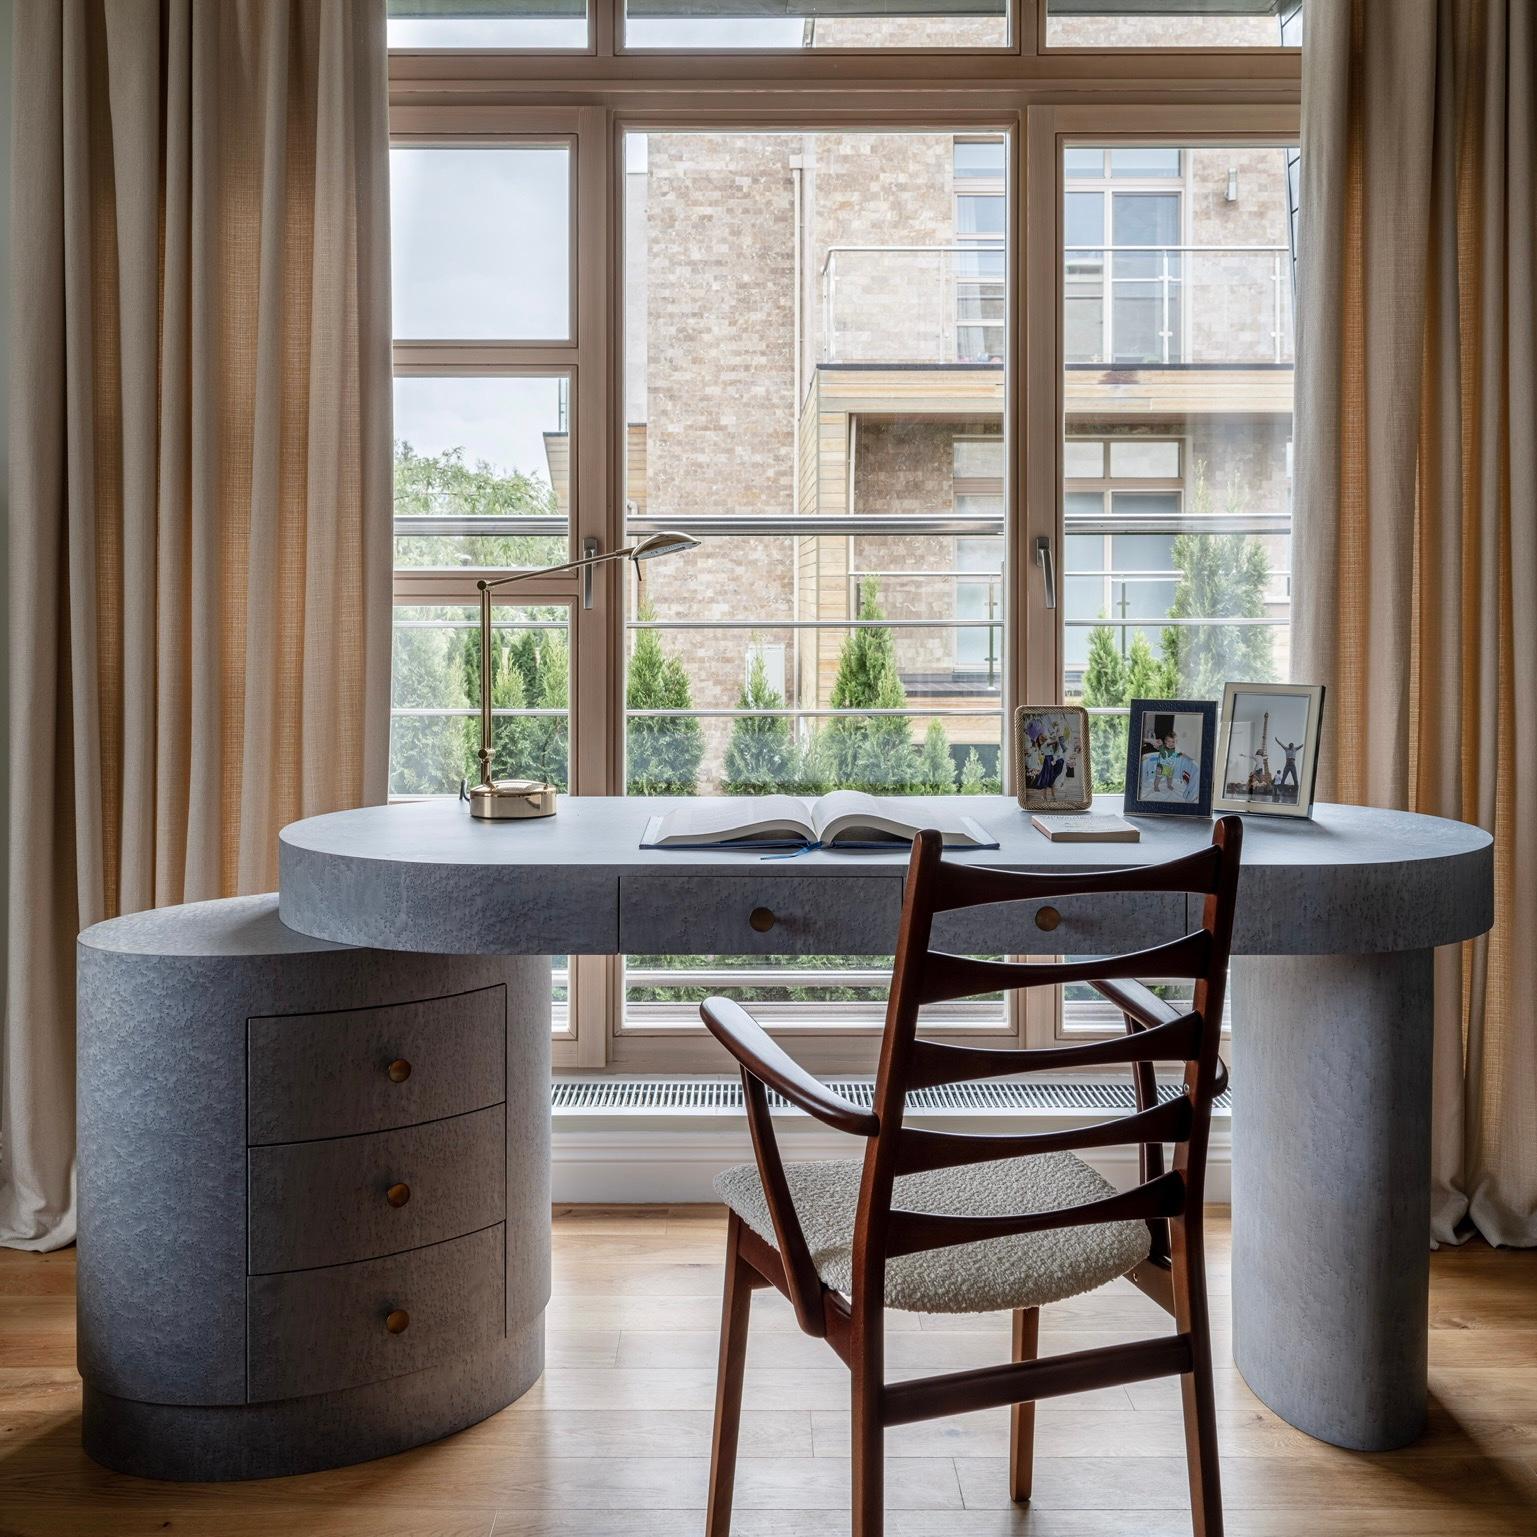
(614,1438)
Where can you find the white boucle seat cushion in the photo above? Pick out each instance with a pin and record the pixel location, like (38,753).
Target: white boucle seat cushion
(1019,1272)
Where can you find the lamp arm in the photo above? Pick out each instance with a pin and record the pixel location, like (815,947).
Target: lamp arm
(483,756)
(570,565)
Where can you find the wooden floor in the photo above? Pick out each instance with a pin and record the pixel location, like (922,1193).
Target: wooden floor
(615,1438)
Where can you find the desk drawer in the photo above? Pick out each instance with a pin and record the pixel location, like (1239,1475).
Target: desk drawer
(1086,925)
(317,1331)
(800,915)
(355,1198)
(360,1070)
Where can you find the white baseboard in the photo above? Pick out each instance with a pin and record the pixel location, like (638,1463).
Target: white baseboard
(621,1161)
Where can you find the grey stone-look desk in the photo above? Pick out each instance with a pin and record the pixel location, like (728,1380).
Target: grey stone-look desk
(1336,922)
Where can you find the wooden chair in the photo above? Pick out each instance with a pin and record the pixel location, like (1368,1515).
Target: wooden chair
(918,1225)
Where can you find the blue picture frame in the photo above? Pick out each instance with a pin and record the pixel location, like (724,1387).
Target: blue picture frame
(1167,774)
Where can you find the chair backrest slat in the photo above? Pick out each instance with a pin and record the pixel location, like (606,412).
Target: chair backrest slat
(911,1232)
(946,977)
(920,1149)
(936,1062)
(923,975)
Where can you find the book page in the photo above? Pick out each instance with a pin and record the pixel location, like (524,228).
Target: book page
(853,817)
(726,819)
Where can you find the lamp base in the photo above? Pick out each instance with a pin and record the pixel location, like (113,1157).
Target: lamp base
(508,799)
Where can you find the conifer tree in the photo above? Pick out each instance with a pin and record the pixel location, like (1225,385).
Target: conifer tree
(973,779)
(936,771)
(664,750)
(872,752)
(760,757)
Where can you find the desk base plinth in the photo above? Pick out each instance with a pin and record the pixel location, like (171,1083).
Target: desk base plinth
(1331,1191)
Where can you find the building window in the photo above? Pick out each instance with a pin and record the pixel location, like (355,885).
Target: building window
(979,168)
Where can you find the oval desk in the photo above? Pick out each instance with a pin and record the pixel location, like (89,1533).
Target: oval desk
(1337,918)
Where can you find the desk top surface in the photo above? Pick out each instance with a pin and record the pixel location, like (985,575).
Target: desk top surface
(426,875)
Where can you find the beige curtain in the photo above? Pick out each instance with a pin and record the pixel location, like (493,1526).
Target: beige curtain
(1415,548)
(200,449)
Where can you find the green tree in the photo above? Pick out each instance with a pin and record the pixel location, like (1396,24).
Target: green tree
(936,771)
(1222,576)
(1105,687)
(974,779)
(664,750)
(871,752)
(760,757)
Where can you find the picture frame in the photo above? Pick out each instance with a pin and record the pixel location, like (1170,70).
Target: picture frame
(1262,723)
(1051,746)
(1171,747)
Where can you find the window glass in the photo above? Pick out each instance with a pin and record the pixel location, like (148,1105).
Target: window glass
(730,25)
(1084,162)
(1145,164)
(1199,325)
(480,243)
(1174,24)
(435,695)
(1083,460)
(839,442)
(462,24)
(979,159)
(482,454)
(978,214)
(1145,458)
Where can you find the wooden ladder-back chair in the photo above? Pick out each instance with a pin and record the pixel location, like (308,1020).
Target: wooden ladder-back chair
(919,1225)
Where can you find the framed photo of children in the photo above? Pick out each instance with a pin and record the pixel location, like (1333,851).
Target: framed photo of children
(1269,748)
(1170,748)
(1051,745)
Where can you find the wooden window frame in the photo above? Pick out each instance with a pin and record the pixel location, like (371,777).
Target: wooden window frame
(1042,98)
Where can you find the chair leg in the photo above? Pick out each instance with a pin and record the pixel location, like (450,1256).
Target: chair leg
(1027,1337)
(869,1458)
(1197,1398)
(728,1383)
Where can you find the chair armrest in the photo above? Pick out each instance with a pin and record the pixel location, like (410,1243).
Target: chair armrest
(1141,1003)
(753,1047)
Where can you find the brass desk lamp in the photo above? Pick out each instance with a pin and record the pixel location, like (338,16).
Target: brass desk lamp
(506,798)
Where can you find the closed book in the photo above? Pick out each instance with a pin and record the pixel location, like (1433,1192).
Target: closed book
(1087,827)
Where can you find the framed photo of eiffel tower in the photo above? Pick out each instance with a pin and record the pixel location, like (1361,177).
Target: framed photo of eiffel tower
(1267,751)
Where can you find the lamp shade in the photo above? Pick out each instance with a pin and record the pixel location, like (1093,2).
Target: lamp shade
(663,542)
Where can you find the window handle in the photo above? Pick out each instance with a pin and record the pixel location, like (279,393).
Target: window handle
(1047,562)
(589,549)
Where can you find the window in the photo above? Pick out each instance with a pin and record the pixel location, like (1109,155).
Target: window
(1228,24)
(622,305)
(462,24)
(482,476)
(864,25)
(845,463)
(1176,466)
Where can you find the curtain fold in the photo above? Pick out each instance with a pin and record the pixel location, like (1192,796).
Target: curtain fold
(200,448)
(1415,534)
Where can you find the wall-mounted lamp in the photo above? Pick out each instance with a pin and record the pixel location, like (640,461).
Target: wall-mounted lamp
(1231,194)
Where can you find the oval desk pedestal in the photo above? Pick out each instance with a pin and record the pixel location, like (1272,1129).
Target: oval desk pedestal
(314,1192)
(1331,1190)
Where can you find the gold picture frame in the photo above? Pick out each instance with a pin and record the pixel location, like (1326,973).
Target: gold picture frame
(1051,746)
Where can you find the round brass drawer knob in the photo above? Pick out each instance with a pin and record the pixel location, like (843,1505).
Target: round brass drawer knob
(1047,918)
(399,1070)
(761,919)
(398,1321)
(398,1195)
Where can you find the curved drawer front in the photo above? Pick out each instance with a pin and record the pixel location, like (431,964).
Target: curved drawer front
(316,1331)
(359,1070)
(355,1198)
(751,915)
(1081,925)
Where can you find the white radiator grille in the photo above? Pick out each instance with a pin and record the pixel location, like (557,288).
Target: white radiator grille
(723,1096)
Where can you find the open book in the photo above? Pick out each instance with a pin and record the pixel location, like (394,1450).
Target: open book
(844,819)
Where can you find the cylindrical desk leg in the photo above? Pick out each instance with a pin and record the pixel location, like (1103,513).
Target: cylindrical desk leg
(1331,1191)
